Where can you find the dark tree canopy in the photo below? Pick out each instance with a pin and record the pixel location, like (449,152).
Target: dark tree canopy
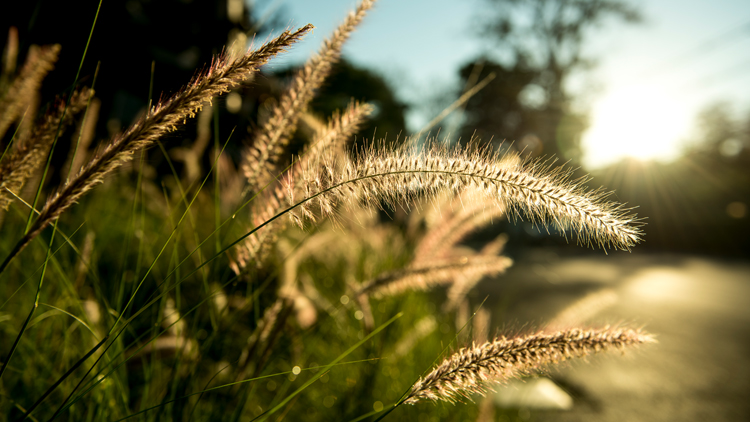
(177,35)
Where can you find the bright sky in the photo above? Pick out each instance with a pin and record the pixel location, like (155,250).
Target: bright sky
(687,55)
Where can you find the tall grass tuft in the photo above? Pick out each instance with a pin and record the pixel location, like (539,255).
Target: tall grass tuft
(159,307)
(224,74)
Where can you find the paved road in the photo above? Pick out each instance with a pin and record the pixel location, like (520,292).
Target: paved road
(699,308)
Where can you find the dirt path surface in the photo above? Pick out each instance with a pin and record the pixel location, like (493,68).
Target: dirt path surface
(699,308)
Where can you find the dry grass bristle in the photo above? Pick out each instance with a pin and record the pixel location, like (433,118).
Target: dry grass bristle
(533,190)
(435,273)
(331,137)
(16,168)
(445,233)
(471,370)
(39,62)
(262,158)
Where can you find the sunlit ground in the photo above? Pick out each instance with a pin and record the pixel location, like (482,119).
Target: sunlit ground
(642,122)
(696,307)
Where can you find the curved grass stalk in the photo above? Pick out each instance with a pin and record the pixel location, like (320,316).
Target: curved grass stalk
(331,137)
(470,370)
(531,190)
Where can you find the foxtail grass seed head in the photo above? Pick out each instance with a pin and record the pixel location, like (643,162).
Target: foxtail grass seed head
(19,166)
(532,190)
(330,137)
(260,161)
(435,273)
(25,86)
(473,369)
(224,74)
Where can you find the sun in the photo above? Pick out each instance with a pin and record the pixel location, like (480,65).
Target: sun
(642,122)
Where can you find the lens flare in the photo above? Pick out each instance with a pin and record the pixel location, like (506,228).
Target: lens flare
(641,122)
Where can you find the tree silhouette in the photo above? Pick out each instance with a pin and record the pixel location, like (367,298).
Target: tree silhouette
(541,43)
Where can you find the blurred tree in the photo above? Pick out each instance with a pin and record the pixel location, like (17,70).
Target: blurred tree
(496,109)
(347,82)
(720,134)
(541,44)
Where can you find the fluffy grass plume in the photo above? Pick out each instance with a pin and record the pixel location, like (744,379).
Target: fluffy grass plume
(435,273)
(17,167)
(448,229)
(224,74)
(331,137)
(262,158)
(529,189)
(25,86)
(470,370)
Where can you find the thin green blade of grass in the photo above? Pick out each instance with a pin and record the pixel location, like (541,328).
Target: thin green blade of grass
(35,305)
(217,180)
(326,368)
(59,381)
(219,387)
(100,378)
(63,406)
(151,267)
(68,241)
(79,320)
(191,221)
(13,138)
(164,246)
